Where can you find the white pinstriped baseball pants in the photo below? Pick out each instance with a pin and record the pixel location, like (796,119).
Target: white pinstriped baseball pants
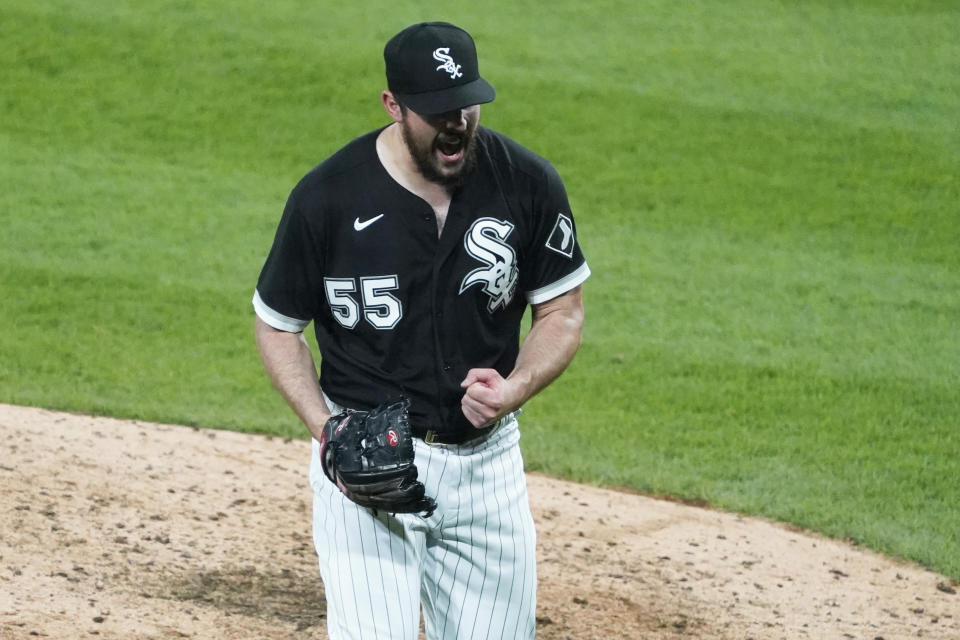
(471,565)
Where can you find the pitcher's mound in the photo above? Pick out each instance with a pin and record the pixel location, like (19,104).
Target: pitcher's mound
(117,529)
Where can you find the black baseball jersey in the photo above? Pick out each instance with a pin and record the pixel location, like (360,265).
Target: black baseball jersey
(397,308)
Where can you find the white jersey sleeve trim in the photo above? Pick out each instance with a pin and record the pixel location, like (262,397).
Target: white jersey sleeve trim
(277,320)
(559,287)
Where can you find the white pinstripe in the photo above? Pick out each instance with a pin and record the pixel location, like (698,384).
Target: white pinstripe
(471,564)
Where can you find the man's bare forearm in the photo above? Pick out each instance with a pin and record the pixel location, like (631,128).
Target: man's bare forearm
(289,363)
(547,350)
(553,340)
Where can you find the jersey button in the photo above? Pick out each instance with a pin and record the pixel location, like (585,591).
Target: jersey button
(447,367)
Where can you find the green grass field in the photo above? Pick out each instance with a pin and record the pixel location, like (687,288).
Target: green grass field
(767,193)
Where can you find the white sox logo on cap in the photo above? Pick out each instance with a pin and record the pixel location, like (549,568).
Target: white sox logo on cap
(443,55)
(432,68)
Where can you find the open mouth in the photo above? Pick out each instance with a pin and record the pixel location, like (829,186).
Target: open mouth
(450,146)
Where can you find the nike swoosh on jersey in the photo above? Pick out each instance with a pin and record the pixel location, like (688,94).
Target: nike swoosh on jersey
(360,226)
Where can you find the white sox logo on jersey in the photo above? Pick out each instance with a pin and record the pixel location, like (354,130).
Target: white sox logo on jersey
(486,241)
(451,67)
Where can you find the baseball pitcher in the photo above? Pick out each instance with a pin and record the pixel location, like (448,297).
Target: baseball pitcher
(414,250)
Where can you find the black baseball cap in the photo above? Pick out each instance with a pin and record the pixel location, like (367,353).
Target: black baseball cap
(432,68)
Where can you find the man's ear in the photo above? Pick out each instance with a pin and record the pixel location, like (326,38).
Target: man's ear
(391,106)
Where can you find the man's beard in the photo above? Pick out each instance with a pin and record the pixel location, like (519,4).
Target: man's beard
(425,158)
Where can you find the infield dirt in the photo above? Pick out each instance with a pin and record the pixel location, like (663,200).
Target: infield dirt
(117,529)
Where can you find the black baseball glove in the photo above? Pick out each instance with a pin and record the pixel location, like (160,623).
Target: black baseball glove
(369,456)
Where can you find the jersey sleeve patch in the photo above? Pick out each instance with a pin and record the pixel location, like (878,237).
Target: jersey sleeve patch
(275,319)
(559,287)
(562,239)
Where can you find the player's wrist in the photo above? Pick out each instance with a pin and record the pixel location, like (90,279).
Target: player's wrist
(519,388)
(316,423)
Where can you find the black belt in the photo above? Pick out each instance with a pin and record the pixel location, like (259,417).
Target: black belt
(430,436)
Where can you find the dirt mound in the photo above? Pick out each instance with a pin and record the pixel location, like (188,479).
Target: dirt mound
(118,529)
